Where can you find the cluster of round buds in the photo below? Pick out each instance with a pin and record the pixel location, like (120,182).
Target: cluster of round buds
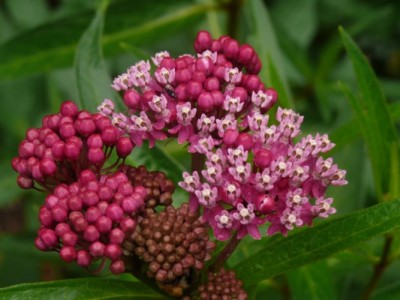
(67,142)
(189,97)
(220,286)
(88,220)
(173,243)
(260,175)
(159,188)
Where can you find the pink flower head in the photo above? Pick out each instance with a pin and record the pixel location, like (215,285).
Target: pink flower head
(233,75)
(323,207)
(190,183)
(207,196)
(164,76)
(206,124)
(232,104)
(122,82)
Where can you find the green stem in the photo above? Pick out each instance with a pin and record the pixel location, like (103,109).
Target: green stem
(379,268)
(225,253)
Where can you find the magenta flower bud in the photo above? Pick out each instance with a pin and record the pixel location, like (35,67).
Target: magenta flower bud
(61,229)
(124,146)
(105,193)
(193,89)
(73,216)
(141,191)
(67,130)
(68,253)
(80,224)
(231,48)
(125,188)
(58,150)
(114,212)
(203,41)
(230,137)
(182,75)
(39,150)
(272,95)
(246,140)
(264,204)
(102,206)
(65,120)
(204,64)
(49,237)
(116,236)
(92,214)
(20,166)
(205,102)
(75,203)
(110,135)
(50,139)
(69,108)
(74,188)
(199,76)
(251,83)
(39,244)
(132,99)
(51,200)
(102,123)
(32,134)
(168,62)
(262,158)
(240,93)
(104,224)
(112,251)
(24,182)
(180,92)
(69,238)
(96,156)
(36,173)
(26,149)
(45,217)
(132,204)
(93,186)
(48,154)
(83,114)
(95,141)
(83,258)
(72,150)
(48,167)
(219,72)
(90,198)
(216,46)
(181,63)
(61,191)
(218,98)
(117,267)
(97,249)
(246,54)
(212,84)
(59,213)
(128,224)
(53,121)
(85,126)
(86,176)
(91,233)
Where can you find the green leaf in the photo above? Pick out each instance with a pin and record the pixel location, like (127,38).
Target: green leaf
(312,282)
(136,22)
(92,77)
(264,41)
(390,292)
(281,254)
(372,113)
(85,288)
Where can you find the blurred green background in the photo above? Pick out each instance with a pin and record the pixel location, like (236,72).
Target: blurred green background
(303,57)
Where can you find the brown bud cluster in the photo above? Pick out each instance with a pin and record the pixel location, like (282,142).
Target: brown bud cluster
(159,187)
(220,286)
(173,242)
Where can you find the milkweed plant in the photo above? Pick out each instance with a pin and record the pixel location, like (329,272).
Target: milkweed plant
(255,175)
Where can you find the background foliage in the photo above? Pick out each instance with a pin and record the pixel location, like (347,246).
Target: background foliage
(52,50)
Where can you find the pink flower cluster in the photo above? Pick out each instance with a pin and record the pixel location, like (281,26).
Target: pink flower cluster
(88,220)
(254,171)
(67,143)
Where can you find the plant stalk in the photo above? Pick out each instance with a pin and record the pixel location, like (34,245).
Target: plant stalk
(225,253)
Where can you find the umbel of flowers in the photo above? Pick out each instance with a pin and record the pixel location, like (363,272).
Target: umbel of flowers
(254,172)
(250,169)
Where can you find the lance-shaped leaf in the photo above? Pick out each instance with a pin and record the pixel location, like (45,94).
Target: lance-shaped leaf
(312,244)
(76,289)
(372,113)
